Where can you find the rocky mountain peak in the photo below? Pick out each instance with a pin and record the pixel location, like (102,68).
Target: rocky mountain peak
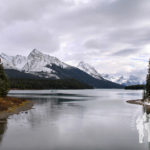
(35,51)
(89,69)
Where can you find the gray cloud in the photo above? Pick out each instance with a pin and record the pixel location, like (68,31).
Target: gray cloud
(17,10)
(95,31)
(125,52)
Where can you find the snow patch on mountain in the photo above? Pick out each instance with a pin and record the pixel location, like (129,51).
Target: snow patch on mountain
(19,61)
(90,70)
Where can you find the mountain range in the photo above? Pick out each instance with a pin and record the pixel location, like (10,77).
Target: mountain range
(39,65)
(124,80)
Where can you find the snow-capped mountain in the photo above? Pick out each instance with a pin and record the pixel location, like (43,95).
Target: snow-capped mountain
(35,63)
(116,78)
(13,62)
(39,65)
(90,70)
(39,62)
(124,79)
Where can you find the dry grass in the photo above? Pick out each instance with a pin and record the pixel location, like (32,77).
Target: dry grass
(9,102)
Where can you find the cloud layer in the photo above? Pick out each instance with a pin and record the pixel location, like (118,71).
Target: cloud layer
(112,35)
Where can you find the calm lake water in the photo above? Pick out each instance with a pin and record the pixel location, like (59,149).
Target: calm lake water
(77,120)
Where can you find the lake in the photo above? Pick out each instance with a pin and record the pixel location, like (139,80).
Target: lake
(98,119)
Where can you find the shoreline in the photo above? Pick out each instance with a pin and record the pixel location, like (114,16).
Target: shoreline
(15,106)
(146,108)
(137,102)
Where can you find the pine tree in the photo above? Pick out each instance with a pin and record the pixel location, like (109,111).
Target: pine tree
(147,88)
(4,86)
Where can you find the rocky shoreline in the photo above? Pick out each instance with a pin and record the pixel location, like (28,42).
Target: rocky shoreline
(138,102)
(146,107)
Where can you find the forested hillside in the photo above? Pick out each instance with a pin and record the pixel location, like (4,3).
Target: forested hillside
(47,84)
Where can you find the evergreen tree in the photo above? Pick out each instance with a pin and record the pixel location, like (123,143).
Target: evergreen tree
(148,82)
(3,82)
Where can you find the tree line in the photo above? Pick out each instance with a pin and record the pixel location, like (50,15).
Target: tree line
(47,84)
(135,87)
(6,84)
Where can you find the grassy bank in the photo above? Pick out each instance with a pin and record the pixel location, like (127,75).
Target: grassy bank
(9,106)
(8,102)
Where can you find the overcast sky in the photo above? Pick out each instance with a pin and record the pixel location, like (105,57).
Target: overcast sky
(111,35)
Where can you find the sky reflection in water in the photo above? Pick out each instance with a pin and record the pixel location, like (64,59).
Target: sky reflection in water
(77,120)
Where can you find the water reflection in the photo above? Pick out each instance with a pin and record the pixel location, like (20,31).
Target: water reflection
(143,125)
(74,120)
(47,110)
(3,127)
